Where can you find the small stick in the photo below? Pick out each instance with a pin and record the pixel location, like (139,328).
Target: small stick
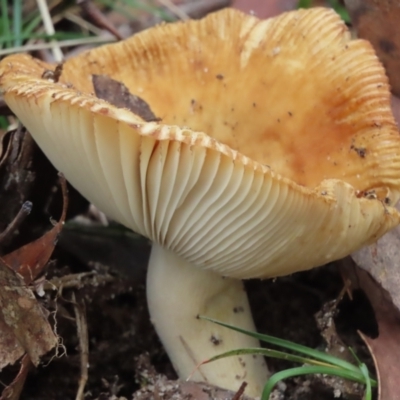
(83,23)
(239,393)
(98,18)
(63,43)
(49,28)
(83,336)
(24,211)
(77,281)
(174,9)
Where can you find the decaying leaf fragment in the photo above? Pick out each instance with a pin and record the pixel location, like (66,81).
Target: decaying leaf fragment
(24,326)
(24,316)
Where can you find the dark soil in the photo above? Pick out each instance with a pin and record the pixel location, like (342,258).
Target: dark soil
(121,335)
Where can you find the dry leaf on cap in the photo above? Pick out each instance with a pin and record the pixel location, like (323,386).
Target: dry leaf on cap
(378,22)
(385,348)
(117,94)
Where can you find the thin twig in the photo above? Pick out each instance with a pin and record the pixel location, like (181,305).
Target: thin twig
(64,43)
(77,281)
(49,29)
(25,210)
(82,331)
(238,395)
(174,9)
(98,18)
(82,23)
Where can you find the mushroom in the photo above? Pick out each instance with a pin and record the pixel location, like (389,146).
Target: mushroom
(276,152)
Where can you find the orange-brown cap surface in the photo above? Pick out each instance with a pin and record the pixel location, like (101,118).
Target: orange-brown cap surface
(276,150)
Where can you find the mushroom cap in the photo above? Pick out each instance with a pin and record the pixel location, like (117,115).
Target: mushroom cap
(276,151)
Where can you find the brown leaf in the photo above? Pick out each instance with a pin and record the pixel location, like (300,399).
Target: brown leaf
(24,316)
(385,348)
(14,389)
(378,22)
(379,277)
(29,260)
(23,322)
(10,349)
(118,95)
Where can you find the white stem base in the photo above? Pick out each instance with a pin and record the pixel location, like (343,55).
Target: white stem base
(177,293)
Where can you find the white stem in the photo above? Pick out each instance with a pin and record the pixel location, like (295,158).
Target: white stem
(177,292)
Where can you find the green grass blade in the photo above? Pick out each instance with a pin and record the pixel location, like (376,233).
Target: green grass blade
(140,5)
(17,22)
(304,4)
(368,382)
(335,4)
(270,353)
(359,374)
(3,123)
(327,358)
(32,24)
(44,36)
(5,23)
(306,370)
(116,7)
(340,9)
